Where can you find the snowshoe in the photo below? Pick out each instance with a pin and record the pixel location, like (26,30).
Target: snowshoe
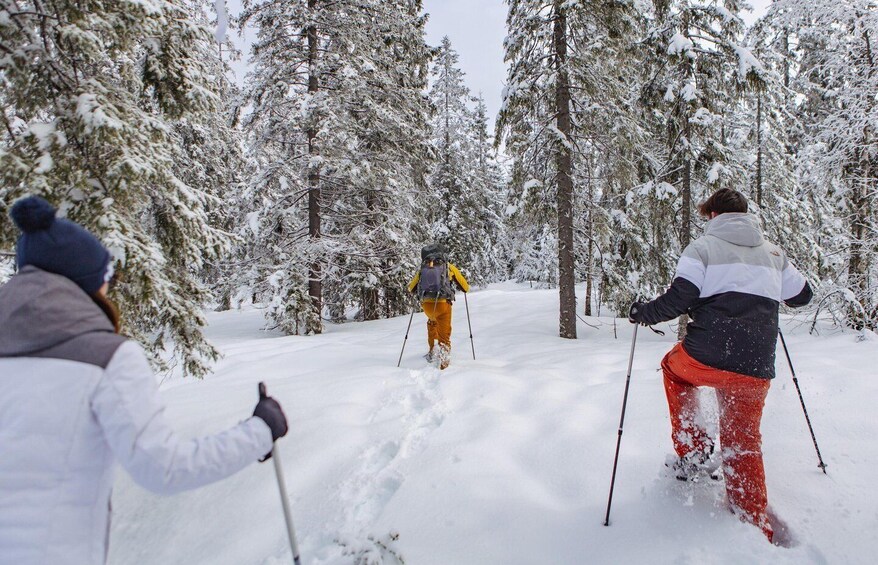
(696,466)
(444,357)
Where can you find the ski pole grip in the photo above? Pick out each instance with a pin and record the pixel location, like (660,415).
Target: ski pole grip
(262,393)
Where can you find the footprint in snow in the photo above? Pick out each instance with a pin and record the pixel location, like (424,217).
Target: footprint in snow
(368,490)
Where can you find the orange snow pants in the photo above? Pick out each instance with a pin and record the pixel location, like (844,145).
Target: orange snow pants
(740,399)
(439,328)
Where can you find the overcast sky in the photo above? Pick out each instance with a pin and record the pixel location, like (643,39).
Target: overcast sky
(476,29)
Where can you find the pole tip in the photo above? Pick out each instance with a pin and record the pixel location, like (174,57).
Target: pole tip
(262,393)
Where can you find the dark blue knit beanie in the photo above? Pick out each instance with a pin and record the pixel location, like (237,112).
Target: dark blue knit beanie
(58,246)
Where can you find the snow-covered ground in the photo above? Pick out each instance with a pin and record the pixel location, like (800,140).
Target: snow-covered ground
(506,459)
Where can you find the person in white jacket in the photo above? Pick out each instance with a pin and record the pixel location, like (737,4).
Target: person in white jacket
(76,398)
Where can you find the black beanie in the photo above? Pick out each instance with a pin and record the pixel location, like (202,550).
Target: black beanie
(58,246)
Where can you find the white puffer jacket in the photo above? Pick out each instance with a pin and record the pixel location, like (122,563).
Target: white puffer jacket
(74,399)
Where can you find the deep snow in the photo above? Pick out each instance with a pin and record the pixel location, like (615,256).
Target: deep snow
(506,459)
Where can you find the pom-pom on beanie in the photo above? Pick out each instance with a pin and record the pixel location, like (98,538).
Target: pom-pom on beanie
(58,245)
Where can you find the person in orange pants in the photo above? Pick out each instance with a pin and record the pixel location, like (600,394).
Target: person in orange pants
(730,282)
(741,399)
(434,284)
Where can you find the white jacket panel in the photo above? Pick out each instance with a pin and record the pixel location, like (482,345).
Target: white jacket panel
(55,468)
(62,425)
(131,415)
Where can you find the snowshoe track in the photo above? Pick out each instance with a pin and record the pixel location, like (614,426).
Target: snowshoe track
(368,490)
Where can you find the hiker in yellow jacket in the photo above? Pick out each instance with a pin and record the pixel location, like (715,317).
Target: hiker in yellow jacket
(434,284)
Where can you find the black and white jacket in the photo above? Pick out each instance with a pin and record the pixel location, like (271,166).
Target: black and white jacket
(731,281)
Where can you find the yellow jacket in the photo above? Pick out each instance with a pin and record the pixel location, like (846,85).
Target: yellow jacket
(454,275)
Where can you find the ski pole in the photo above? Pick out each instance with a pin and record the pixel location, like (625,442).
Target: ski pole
(621,423)
(398,363)
(284,498)
(786,351)
(472,343)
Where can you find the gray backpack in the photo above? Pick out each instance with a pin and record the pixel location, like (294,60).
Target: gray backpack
(434,281)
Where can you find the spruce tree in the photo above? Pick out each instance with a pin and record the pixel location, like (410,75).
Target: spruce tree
(488,239)
(536,114)
(291,111)
(568,122)
(339,132)
(464,199)
(92,96)
(213,158)
(788,210)
(835,74)
(383,133)
(698,68)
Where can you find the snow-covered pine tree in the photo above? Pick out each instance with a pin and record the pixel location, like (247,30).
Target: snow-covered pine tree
(213,158)
(382,138)
(787,210)
(607,146)
(697,69)
(91,93)
(291,114)
(449,179)
(489,242)
(463,202)
(568,121)
(536,116)
(531,221)
(836,76)
(339,118)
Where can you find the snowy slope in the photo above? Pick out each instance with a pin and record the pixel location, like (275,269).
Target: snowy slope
(506,459)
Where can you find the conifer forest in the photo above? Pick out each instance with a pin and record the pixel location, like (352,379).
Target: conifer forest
(308,187)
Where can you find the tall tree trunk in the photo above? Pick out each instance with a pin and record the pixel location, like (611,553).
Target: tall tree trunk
(563,164)
(371,310)
(589,282)
(857,260)
(589,257)
(685,213)
(786,65)
(860,206)
(315,283)
(371,306)
(759,150)
(481,149)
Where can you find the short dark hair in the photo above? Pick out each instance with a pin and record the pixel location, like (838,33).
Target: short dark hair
(722,201)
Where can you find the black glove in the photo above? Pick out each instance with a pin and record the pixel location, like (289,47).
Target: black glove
(635,313)
(270,411)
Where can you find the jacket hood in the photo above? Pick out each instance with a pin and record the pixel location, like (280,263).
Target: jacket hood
(736,228)
(39,310)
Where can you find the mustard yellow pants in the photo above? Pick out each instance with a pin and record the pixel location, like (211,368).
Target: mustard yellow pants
(439,328)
